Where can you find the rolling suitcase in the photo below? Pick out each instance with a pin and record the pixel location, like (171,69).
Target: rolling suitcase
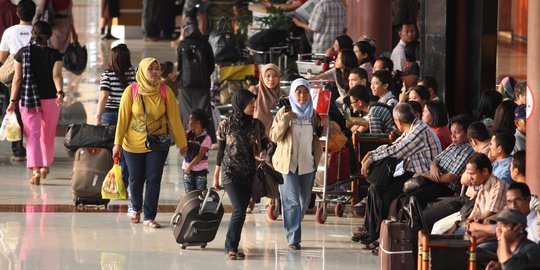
(197,217)
(395,250)
(90,167)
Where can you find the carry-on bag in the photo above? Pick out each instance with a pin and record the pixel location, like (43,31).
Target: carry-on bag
(90,167)
(85,135)
(395,250)
(197,217)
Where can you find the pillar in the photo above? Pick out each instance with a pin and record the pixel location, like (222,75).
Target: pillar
(371,18)
(533,95)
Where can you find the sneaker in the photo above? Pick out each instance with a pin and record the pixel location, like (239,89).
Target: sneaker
(295,247)
(17,158)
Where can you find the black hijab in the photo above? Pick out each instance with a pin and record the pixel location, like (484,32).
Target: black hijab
(240,99)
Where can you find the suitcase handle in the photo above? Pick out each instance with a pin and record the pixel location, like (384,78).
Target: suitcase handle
(206,199)
(175,218)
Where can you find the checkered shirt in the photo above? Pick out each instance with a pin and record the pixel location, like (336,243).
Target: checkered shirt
(29,96)
(453,160)
(329,20)
(416,147)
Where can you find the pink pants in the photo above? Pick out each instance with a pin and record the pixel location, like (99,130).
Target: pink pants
(39,131)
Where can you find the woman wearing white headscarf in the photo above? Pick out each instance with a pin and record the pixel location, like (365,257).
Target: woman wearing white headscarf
(295,157)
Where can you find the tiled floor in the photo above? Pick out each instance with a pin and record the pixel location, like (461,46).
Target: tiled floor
(41,229)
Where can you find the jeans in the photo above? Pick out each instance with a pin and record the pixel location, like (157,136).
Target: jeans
(111,118)
(239,194)
(295,193)
(195,181)
(145,168)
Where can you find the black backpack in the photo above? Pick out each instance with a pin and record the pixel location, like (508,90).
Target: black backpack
(194,69)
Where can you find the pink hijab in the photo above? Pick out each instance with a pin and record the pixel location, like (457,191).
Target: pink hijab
(266,98)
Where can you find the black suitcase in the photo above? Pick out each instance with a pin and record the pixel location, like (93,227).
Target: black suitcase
(90,167)
(197,217)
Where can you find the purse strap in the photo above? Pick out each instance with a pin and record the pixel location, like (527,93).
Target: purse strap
(145,117)
(258,137)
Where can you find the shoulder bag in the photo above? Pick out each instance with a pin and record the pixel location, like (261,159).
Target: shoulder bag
(155,142)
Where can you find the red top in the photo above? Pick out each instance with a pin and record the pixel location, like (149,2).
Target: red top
(9,16)
(60,5)
(444,136)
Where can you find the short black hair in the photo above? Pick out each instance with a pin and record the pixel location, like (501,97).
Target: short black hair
(26,10)
(421,91)
(463,120)
(429,82)
(362,73)
(438,112)
(505,140)
(385,77)
(406,23)
(522,187)
(520,88)
(387,63)
(411,50)
(417,107)
(518,161)
(201,116)
(166,68)
(361,93)
(481,161)
(478,131)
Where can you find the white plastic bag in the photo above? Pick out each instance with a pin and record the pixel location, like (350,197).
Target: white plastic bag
(3,127)
(12,128)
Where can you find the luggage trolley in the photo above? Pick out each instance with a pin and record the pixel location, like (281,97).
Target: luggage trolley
(307,65)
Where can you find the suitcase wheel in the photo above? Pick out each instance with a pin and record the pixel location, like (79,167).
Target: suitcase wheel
(183,246)
(339,209)
(203,245)
(321,214)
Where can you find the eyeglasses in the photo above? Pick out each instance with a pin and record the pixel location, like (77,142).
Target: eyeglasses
(352,102)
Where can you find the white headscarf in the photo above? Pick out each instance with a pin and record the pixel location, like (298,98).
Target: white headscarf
(304,111)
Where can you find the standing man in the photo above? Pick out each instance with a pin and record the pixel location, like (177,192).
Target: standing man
(328,20)
(13,39)
(406,35)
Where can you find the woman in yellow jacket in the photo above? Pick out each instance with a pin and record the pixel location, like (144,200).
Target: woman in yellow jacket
(146,166)
(297,155)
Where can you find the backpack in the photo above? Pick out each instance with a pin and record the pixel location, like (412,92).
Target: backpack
(135,91)
(194,66)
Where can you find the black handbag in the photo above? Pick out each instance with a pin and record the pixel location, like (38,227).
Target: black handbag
(382,172)
(75,58)
(84,135)
(155,142)
(267,180)
(414,184)
(225,43)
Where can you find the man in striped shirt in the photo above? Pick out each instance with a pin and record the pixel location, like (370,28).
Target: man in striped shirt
(378,115)
(416,148)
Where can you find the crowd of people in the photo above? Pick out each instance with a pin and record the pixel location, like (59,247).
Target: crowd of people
(476,161)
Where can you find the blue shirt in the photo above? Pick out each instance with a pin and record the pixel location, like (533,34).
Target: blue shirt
(501,169)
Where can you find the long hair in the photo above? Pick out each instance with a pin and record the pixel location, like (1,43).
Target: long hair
(120,62)
(349,61)
(365,47)
(504,117)
(41,32)
(438,112)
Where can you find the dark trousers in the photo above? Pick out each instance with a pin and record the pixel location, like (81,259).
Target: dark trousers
(145,168)
(430,191)
(151,18)
(378,204)
(239,194)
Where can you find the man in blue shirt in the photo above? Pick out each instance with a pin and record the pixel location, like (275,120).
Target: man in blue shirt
(502,145)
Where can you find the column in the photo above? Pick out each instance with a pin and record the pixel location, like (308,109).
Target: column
(372,18)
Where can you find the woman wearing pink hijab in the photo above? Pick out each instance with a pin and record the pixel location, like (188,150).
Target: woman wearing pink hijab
(267,91)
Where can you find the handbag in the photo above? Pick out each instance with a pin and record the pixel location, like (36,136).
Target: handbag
(7,70)
(265,177)
(155,142)
(75,58)
(414,184)
(84,135)
(382,172)
(225,43)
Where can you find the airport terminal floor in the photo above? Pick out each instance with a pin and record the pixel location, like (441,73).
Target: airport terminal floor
(40,228)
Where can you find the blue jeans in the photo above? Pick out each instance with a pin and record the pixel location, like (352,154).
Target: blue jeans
(239,194)
(145,168)
(295,193)
(195,181)
(111,118)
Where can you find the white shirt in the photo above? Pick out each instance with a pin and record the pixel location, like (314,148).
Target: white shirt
(532,227)
(15,37)
(398,55)
(302,152)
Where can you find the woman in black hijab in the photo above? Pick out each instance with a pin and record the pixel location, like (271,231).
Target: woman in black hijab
(236,165)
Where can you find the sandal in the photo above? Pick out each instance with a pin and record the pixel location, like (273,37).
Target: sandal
(151,224)
(231,255)
(240,255)
(44,172)
(375,251)
(136,217)
(36,177)
(371,246)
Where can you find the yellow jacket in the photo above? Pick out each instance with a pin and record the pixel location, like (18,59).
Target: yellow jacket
(281,135)
(131,127)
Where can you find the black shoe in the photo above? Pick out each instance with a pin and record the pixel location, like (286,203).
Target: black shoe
(364,237)
(108,36)
(295,247)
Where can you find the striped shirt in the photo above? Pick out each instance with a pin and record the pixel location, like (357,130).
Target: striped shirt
(111,83)
(380,119)
(491,197)
(453,160)
(416,147)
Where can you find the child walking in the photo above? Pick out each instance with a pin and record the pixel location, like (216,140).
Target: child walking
(195,164)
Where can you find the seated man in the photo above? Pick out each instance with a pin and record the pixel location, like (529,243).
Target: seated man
(381,86)
(445,170)
(518,197)
(490,197)
(431,84)
(521,128)
(416,148)
(502,145)
(515,251)
(377,116)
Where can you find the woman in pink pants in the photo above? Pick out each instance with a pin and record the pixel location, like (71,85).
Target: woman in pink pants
(38,84)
